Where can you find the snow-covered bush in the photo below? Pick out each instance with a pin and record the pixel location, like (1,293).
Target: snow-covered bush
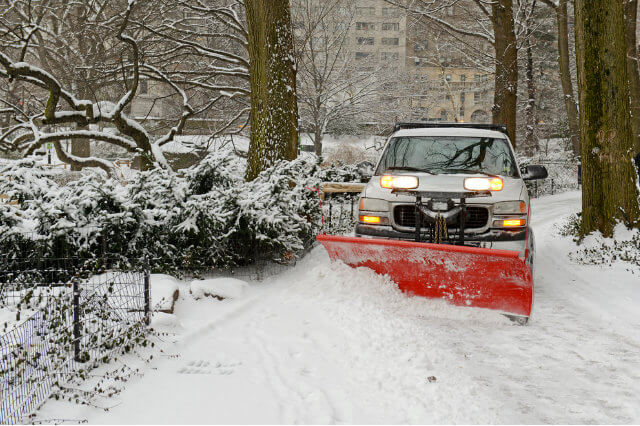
(208,217)
(594,249)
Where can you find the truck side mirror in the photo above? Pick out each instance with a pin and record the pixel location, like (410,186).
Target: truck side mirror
(535,173)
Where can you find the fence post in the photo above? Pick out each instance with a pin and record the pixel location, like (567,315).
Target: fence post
(147,296)
(76,319)
(330,205)
(552,182)
(353,201)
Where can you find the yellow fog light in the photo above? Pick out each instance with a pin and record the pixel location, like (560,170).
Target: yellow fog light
(370,219)
(510,223)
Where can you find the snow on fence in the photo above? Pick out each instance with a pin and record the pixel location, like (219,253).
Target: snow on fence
(56,324)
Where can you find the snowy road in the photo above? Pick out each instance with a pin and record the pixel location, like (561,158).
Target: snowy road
(324,343)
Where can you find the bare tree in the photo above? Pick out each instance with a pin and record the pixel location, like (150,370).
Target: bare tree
(492,22)
(331,86)
(561,10)
(202,46)
(61,110)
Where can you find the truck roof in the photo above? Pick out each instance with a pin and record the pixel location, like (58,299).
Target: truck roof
(451,131)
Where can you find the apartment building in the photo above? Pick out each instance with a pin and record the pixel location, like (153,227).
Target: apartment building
(425,76)
(379,35)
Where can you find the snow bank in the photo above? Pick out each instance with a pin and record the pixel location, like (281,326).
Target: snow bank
(164,292)
(222,288)
(10,319)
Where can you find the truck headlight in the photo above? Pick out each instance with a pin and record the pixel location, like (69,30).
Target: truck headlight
(483,184)
(510,207)
(399,182)
(374,205)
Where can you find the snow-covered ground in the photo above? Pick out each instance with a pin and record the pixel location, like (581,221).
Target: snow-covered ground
(323,343)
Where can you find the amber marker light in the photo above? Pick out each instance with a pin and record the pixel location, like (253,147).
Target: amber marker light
(511,223)
(370,219)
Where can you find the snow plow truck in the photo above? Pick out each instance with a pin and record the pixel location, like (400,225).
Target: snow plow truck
(446,215)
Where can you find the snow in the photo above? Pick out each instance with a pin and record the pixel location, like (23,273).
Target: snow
(324,343)
(163,291)
(225,288)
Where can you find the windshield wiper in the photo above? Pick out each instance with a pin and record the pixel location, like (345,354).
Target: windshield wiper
(410,169)
(468,172)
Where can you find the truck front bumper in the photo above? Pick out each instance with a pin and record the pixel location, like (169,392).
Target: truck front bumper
(503,239)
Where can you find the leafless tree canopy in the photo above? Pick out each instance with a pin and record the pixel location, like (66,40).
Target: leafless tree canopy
(72,70)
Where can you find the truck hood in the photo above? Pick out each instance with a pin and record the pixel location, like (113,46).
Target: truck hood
(513,188)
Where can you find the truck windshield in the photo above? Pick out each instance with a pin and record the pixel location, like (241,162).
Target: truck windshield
(444,154)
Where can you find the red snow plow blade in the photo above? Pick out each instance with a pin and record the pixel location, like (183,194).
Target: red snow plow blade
(465,276)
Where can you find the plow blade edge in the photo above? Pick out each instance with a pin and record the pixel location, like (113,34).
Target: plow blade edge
(465,276)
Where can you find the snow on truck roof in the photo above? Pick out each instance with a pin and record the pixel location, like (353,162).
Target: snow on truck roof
(450,131)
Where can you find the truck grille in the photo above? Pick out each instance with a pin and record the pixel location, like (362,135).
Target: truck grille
(477,217)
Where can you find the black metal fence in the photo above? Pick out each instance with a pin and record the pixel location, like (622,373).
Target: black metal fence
(56,322)
(340,212)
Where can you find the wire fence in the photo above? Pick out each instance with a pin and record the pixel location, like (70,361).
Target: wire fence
(340,212)
(57,322)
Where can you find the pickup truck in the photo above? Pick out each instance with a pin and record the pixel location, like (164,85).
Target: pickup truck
(450,184)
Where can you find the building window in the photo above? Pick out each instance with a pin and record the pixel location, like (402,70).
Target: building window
(391,26)
(391,41)
(365,26)
(390,11)
(366,11)
(477,97)
(443,115)
(463,97)
(362,55)
(144,87)
(463,77)
(389,56)
(477,78)
(416,61)
(368,41)
(448,78)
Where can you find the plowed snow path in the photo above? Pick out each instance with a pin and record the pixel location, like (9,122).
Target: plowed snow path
(327,344)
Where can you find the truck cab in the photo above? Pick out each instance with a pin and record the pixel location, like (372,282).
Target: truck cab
(451,184)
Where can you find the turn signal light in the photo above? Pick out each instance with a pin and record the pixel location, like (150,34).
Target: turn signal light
(370,219)
(511,223)
(399,182)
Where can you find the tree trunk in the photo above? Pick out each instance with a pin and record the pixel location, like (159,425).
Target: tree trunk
(80,148)
(274,110)
(506,78)
(317,141)
(609,191)
(531,141)
(565,76)
(631,14)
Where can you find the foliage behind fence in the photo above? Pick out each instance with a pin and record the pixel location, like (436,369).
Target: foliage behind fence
(63,324)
